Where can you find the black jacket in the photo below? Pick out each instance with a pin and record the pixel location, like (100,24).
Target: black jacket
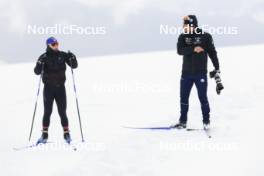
(54,66)
(196,63)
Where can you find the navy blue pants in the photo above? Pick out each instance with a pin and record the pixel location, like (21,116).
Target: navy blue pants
(200,81)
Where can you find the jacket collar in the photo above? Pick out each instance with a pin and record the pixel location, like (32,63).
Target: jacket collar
(51,51)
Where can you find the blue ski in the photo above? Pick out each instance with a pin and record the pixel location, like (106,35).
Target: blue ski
(207,132)
(151,128)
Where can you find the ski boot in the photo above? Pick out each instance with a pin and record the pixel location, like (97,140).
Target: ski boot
(179,125)
(206,125)
(67,136)
(44,137)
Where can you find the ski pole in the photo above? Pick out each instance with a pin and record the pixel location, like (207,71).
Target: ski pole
(36,103)
(76,99)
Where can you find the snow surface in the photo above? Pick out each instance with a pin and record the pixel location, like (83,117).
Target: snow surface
(138,90)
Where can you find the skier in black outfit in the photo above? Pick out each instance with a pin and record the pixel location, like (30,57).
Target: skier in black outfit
(195,46)
(53,64)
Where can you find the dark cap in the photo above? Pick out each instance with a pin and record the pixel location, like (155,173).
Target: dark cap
(51,40)
(192,21)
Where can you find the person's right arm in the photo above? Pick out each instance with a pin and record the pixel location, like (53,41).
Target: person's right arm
(182,49)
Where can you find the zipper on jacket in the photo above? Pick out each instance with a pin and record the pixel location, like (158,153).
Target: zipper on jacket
(192,71)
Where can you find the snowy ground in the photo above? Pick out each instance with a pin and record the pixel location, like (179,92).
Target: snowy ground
(138,90)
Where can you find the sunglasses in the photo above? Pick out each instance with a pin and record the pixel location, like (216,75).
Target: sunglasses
(54,44)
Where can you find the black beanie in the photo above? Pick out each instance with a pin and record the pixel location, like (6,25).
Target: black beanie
(192,21)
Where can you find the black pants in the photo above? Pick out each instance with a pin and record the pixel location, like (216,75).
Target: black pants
(57,93)
(200,81)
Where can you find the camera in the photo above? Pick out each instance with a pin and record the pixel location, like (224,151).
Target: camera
(216,75)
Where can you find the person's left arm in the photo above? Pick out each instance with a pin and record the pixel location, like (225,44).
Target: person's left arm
(212,52)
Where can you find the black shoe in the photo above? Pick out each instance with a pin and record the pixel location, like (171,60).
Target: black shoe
(67,137)
(180,125)
(44,137)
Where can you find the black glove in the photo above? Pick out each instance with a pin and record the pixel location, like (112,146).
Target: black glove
(216,75)
(41,60)
(71,56)
(72,61)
